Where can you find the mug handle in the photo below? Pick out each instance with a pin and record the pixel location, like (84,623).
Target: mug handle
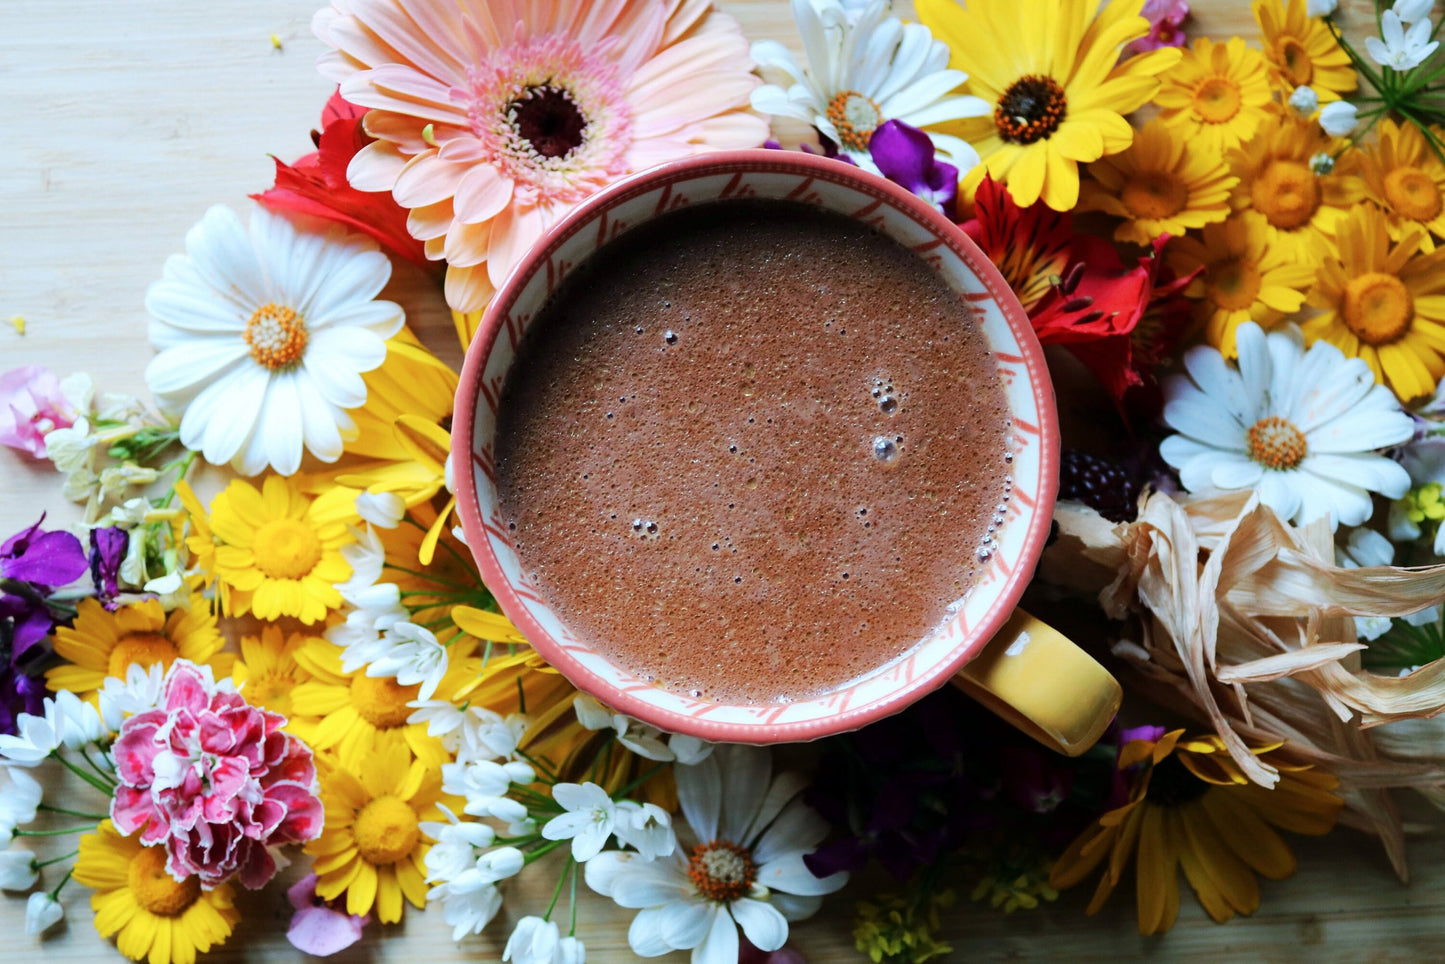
(1031,675)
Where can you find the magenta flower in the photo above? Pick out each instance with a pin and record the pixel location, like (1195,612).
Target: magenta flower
(318,928)
(215,780)
(906,156)
(1166,26)
(32,563)
(31,404)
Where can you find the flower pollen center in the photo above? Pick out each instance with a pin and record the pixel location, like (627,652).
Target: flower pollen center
(1413,193)
(386,831)
(1287,193)
(1155,194)
(1217,100)
(381,700)
(855,117)
(276,336)
(1275,443)
(1233,284)
(140,649)
(722,871)
(1031,109)
(286,549)
(548,119)
(153,887)
(271,690)
(1377,308)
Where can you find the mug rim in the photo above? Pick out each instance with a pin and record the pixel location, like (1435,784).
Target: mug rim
(757,160)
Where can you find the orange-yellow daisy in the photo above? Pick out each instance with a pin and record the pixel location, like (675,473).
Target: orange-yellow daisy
(267,671)
(1301,50)
(1217,95)
(1191,808)
(102,644)
(1057,87)
(278,551)
(1385,303)
(372,849)
(151,915)
(1406,179)
(1161,185)
(1276,179)
(1244,278)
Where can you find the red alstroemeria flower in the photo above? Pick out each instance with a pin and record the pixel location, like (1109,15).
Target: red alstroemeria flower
(316,185)
(1030,246)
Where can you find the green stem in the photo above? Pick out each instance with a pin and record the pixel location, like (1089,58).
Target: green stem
(427,576)
(184,468)
(55,833)
(72,813)
(542,851)
(103,788)
(640,780)
(103,772)
(572,930)
(55,860)
(557,892)
(55,894)
(541,767)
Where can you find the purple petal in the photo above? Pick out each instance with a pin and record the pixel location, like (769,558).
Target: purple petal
(107,551)
(904,154)
(43,558)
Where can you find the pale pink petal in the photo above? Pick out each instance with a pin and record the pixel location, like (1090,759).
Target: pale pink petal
(462,146)
(411,84)
(703,96)
(430,221)
(375,167)
(359,90)
(482,194)
(419,32)
(468,244)
(514,231)
(692,15)
(468,289)
(649,88)
(426,179)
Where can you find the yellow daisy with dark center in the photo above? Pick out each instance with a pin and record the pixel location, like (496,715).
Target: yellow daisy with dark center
(372,849)
(150,914)
(1301,50)
(1161,185)
(1057,87)
(1407,180)
(1382,301)
(1244,278)
(1217,95)
(101,644)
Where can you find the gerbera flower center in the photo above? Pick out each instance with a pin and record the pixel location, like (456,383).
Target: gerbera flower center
(276,336)
(722,871)
(386,830)
(1172,785)
(1031,109)
(155,890)
(1412,193)
(286,549)
(856,117)
(1233,284)
(1275,443)
(140,649)
(1286,192)
(548,120)
(1378,307)
(1217,100)
(1296,62)
(381,700)
(1154,194)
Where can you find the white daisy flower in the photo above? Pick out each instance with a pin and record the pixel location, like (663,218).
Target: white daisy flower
(1302,428)
(863,69)
(745,869)
(263,337)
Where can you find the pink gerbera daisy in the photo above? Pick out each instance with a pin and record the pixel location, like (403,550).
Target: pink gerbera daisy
(494,118)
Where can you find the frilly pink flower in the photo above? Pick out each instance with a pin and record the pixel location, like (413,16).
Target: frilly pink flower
(215,780)
(1166,26)
(32,404)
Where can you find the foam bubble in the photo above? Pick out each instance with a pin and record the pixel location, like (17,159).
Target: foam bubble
(884,449)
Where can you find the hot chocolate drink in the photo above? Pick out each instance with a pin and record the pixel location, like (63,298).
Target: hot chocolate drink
(752,450)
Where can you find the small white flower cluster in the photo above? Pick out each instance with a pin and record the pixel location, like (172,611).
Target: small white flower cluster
(68,722)
(1337,119)
(1397,47)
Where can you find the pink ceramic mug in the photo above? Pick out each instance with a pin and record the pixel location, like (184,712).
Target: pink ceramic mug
(1029,674)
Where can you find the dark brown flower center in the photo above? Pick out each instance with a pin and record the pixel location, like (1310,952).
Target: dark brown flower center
(548,119)
(1172,785)
(1031,109)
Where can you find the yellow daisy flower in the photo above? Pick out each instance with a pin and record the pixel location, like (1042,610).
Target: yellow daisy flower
(1191,808)
(268,670)
(1160,185)
(372,849)
(1383,302)
(152,915)
(1244,278)
(1406,179)
(102,644)
(351,714)
(1057,87)
(1301,50)
(1301,207)
(201,543)
(278,552)
(1217,95)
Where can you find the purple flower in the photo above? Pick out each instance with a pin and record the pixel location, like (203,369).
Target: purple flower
(31,404)
(316,928)
(31,564)
(906,157)
(1166,21)
(45,559)
(107,552)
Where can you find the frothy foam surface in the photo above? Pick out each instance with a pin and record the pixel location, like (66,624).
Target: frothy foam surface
(752,451)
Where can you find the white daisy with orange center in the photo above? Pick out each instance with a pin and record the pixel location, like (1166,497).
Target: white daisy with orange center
(263,335)
(1301,428)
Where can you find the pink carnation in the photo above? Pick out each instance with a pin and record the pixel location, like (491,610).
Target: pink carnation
(215,780)
(32,404)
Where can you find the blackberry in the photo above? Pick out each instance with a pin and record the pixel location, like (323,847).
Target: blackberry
(1100,483)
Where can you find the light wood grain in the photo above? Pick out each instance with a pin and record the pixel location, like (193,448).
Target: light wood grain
(125,119)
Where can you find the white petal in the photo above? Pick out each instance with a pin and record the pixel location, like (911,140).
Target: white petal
(357,279)
(193,308)
(721,944)
(223,415)
(357,349)
(761,923)
(1279,491)
(186,368)
(686,923)
(645,934)
(699,791)
(320,427)
(1235,472)
(222,256)
(281,423)
(382,318)
(798,829)
(1361,431)
(745,771)
(1217,381)
(790,875)
(603,871)
(1373,472)
(785,787)
(650,883)
(796,906)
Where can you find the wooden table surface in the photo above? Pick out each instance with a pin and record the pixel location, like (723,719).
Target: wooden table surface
(125,119)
